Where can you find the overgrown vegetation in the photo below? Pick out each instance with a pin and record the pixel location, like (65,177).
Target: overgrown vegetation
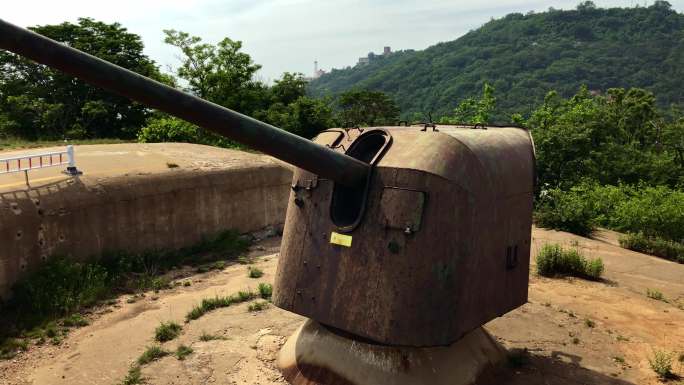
(167,331)
(553,261)
(134,376)
(62,287)
(658,246)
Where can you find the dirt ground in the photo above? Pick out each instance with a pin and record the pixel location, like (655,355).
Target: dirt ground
(553,327)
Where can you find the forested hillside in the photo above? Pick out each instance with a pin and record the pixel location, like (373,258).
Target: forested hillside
(526,56)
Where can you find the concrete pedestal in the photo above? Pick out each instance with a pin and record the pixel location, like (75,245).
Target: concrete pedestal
(314,355)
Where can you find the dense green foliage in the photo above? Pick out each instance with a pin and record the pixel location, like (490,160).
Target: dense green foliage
(39,103)
(367,108)
(553,261)
(663,248)
(525,56)
(654,211)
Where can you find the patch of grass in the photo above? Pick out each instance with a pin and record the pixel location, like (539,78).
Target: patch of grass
(167,331)
(657,246)
(619,359)
(187,283)
(254,272)
(62,286)
(171,165)
(209,304)
(134,376)
(661,364)
(219,265)
(210,337)
(655,294)
(75,320)
(245,260)
(183,351)
(12,346)
(152,353)
(589,323)
(257,306)
(265,290)
(554,261)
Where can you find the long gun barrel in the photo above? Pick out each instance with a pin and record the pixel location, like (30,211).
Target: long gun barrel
(258,135)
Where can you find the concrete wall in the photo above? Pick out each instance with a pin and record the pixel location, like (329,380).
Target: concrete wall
(84,217)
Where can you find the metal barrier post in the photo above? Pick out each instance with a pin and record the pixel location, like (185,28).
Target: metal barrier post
(71,167)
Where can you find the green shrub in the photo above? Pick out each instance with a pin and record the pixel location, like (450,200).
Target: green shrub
(655,294)
(553,260)
(60,287)
(75,320)
(661,364)
(265,290)
(134,376)
(169,130)
(167,331)
(657,246)
(565,211)
(254,272)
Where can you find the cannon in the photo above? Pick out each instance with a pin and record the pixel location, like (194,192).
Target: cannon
(408,236)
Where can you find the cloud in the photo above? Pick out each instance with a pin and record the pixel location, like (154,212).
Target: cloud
(288,35)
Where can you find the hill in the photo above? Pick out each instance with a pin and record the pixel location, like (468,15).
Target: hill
(525,56)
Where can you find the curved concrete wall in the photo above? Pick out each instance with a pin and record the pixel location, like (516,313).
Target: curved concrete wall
(85,217)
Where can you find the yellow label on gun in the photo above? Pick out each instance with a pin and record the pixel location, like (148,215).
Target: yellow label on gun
(340,239)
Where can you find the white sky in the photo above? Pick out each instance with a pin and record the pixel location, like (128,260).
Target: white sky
(288,35)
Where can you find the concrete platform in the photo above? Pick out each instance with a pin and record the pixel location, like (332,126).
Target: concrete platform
(134,198)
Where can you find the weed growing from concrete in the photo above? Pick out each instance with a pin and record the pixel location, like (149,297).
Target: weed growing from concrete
(257,306)
(265,290)
(167,331)
(655,294)
(661,364)
(152,353)
(183,351)
(619,359)
(187,283)
(555,261)
(254,272)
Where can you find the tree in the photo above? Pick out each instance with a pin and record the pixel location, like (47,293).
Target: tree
(368,108)
(40,103)
(475,111)
(221,74)
(289,88)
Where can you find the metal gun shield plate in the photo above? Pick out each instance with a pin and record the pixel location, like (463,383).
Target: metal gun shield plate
(438,245)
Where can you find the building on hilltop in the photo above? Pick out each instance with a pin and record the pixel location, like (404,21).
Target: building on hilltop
(372,56)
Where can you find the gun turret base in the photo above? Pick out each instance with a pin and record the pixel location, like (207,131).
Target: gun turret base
(315,355)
